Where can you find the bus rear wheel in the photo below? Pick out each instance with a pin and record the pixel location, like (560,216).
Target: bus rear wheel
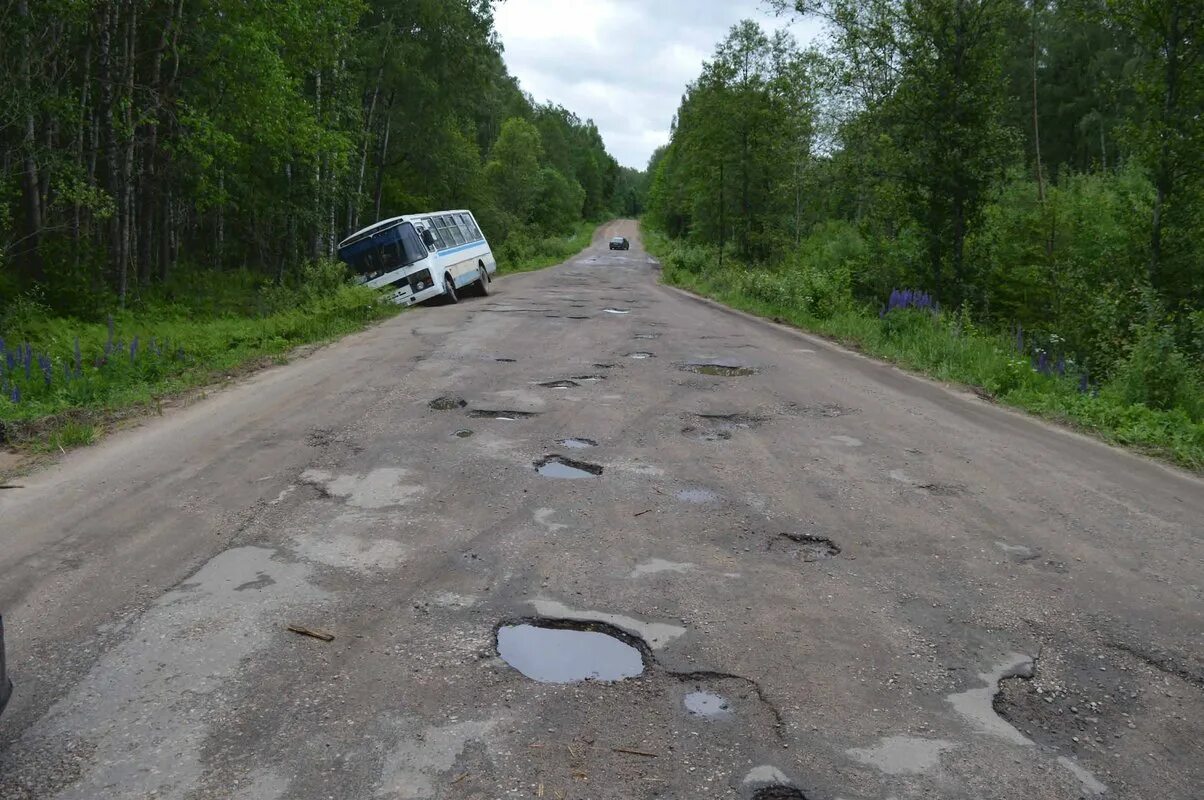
(449,290)
(482,282)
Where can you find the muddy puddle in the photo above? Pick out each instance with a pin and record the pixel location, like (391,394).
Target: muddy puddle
(463,433)
(505,415)
(566,468)
(707,704)
(720,370)
(574,443)
(562,651)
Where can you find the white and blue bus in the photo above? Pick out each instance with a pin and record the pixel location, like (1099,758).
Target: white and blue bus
(420,256)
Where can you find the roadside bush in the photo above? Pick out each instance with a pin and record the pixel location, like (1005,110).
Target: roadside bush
(1156,374)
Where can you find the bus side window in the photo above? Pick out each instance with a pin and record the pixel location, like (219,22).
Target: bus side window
(430,226)
(472,225)
(453,230)
(465,231)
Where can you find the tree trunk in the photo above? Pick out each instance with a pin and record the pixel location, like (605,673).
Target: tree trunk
(1036,128)
(1164,176)
(382,153)
(30,257)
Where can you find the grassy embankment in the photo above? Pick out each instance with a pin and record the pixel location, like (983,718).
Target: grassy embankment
(63,380)
(949,347)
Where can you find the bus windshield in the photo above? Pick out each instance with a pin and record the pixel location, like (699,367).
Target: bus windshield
(387,251)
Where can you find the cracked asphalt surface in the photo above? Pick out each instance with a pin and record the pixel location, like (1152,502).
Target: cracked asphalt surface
(147,582)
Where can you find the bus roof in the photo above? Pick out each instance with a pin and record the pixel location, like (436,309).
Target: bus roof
(386,223)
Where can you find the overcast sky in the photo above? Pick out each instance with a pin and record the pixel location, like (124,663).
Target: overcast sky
(622,63)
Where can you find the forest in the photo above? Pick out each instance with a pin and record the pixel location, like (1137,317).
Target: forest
(1002,193)
(165,165)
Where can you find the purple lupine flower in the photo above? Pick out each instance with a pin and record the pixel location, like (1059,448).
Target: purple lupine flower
(79,361)
(10,360)
(1083,383)
(134,350)
(1019,338)
(67,373)
(27,360)
(47,369)
(109,341)
(15,394)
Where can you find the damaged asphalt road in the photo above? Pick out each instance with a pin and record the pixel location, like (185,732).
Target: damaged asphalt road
(808,575)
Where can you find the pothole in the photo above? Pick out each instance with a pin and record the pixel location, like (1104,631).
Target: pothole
(640,355)
(603,366)
(778,792)
(506,360)
(806,546)
(561,384)
(463,433)
(508,416)
(570,651)
(577,444)
(589,378)
(720,370)
(560,467)
(706,704)
(819,410)
(447,403)
(616,310)
(576,316)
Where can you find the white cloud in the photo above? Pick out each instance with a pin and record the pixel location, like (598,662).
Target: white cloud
(622,63)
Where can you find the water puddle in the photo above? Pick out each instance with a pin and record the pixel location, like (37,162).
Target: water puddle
(563,651)
(697,496)
(589,378)
(563,384)
(640,355)
(463,433)
(508,416)
(447,403)
(705,704)
(566,468)
(720,370)
(577,444)
(808,547)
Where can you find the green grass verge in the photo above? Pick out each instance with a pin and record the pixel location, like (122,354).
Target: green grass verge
(63,400)
(951,349)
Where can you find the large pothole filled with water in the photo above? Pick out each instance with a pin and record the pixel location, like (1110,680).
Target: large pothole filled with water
(555,466)
(570,651)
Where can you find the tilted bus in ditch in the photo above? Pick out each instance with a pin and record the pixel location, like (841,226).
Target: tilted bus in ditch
(419,256)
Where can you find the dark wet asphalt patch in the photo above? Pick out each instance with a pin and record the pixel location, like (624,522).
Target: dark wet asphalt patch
(506,360)
(561,384)
(570,651)
(463,433)
(806,546)
(577,444)
(447,403)
(720,370)
(509,416)
(555,466)
(576,316)
(778,792)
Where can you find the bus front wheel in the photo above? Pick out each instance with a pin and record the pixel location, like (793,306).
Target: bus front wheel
(449,290)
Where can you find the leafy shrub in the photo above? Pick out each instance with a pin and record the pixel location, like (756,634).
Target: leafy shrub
(1157,374)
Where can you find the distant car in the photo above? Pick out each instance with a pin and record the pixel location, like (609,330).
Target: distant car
(6,686)
(619,243)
